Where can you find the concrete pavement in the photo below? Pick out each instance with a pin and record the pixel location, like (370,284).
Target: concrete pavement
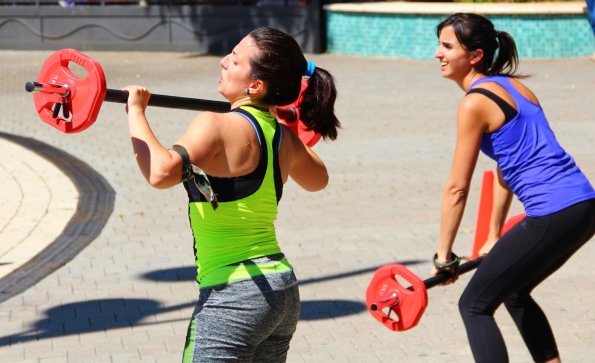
(38,200)
(123,290)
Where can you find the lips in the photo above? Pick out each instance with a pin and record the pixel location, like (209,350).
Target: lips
(443,65)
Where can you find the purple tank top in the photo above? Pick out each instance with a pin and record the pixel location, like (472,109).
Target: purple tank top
(540,173)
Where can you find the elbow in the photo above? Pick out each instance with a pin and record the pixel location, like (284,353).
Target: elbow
(160,185)
(161,179)
(157,182)
(314,182)
(319,185)
(456,193)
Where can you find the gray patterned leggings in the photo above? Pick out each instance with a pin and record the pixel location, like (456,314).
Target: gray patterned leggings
(244,321)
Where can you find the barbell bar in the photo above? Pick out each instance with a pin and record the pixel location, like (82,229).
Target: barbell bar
(429,282)
(156,100)
(57,89)
(387,295)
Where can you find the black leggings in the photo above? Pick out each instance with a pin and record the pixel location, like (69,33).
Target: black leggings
(521,260)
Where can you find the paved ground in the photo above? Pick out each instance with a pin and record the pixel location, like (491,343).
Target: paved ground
(127,295)
(37,199)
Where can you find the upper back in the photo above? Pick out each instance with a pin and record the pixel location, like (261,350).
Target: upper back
(534,165)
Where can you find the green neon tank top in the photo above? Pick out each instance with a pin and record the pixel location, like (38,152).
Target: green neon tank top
(239,229)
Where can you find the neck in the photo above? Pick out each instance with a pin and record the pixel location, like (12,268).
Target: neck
(466,83)
(247,101)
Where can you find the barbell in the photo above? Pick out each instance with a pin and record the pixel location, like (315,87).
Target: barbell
(386,295)
(399,307)
(79,99)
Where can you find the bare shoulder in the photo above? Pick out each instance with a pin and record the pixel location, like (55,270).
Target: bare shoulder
(219,125)
(202,135)
(473,103)
(206,120)
(475,113)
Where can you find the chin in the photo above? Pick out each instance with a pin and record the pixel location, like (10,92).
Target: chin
(447,75)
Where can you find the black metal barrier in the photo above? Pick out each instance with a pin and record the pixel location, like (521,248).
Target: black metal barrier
(201,26)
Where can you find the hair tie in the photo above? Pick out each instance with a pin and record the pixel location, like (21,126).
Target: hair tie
(499,35)
(310,69)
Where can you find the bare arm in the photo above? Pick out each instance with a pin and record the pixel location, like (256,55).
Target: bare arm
(501,205)
(160,167)
(470,129)
(305,167)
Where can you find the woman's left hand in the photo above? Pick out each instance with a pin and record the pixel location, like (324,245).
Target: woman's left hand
(454,277)
(138,97)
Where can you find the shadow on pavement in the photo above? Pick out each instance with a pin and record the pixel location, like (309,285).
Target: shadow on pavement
(91,316)
(189,273)
(105,314)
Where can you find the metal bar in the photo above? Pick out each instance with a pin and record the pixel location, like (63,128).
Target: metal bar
(429,282)
(183,103)
(442,277)
(196,104)
(59,89)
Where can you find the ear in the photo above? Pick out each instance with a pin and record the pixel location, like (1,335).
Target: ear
(257,87)
(476,56)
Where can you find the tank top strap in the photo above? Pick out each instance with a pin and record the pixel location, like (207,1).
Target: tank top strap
(504,82)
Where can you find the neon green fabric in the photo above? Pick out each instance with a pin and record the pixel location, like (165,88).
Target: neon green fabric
(242,272)
(190,342)
(238,230)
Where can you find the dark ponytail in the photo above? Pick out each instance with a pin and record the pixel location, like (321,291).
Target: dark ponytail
(281,64)
(317,106)
(477,32)
(507,59)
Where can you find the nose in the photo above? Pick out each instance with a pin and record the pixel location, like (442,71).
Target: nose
(224,61)
(438,53)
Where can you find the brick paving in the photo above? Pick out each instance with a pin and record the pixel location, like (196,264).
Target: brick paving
(127,296)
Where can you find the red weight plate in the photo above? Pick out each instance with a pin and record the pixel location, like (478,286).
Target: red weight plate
(406,303)
(86,94)
(511,222)
(308,137)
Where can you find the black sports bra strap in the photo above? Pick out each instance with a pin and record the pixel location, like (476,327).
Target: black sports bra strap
(276,148)
(276,166)
(509,111)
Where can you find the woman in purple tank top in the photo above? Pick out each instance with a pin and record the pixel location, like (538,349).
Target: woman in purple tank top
(500,116)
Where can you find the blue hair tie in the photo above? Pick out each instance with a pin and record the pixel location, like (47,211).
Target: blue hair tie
(310,69)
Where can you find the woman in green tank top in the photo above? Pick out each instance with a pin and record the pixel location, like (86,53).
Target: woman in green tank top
(233,166)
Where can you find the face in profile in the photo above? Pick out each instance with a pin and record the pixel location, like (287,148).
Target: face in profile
(455,60)
(235,70)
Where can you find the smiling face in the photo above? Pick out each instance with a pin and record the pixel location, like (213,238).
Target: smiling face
(455,61)
(236,69)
